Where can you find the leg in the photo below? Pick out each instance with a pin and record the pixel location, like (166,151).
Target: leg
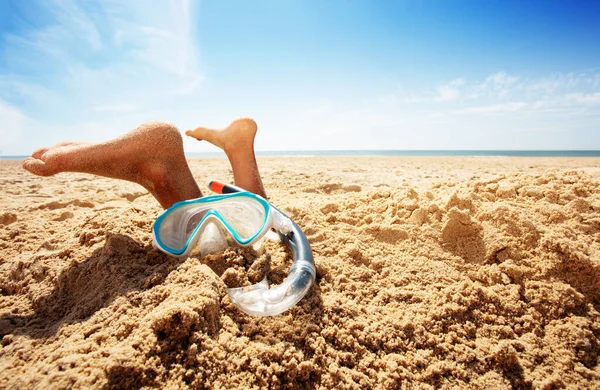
(237,141)
(151,155)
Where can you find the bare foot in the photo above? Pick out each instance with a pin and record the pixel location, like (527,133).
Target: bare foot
(237,141)
(239,135)
(43,161)
(151,155)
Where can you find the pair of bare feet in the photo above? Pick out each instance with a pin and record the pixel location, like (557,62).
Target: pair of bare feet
(152,156)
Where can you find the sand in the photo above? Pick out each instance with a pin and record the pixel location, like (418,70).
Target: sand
(431,273)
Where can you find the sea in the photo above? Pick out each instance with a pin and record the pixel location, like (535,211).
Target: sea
(412,153)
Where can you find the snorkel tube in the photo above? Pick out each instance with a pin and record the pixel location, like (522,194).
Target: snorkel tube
(259,299)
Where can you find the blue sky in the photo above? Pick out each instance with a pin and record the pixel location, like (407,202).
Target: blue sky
(314,74)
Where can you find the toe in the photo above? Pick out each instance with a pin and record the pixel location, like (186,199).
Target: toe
(196,133)
(37,167)
(38,153)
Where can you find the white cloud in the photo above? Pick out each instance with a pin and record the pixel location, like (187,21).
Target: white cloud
(558,83)
(499,111)
(447,93)
(80,26)
(459,82)
(94,55)
(502,92)
(497,85)
(500,80)
(450,91)
(495,108)
(584,98)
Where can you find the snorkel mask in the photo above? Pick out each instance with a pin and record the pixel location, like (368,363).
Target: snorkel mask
(246,218)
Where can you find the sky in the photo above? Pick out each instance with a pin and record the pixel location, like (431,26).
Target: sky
(315,75)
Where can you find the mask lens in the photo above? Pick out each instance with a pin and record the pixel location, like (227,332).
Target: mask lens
(177,227)
(244,216)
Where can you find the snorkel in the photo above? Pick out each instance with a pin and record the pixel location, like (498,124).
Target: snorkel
(259,299)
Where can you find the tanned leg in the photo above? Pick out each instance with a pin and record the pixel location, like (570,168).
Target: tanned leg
(237,141)
(151,155)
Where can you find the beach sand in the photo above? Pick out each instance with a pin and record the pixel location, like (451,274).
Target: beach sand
(431,272)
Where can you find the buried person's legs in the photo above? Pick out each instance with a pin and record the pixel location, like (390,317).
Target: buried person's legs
(152,156)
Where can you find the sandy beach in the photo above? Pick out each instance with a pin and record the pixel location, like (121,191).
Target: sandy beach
(432,272)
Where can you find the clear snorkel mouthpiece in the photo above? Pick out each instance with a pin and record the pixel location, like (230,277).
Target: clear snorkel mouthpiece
(259,299)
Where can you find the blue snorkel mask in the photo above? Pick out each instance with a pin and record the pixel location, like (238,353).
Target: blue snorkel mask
(246,218)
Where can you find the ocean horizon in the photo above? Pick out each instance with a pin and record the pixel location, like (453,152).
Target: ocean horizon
(382,153)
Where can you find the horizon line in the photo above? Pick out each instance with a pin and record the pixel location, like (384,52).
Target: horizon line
(398,152)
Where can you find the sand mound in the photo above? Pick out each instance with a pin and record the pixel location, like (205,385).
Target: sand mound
(430,273)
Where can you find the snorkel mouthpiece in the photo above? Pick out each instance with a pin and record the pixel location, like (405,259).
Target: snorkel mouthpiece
(260,300)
